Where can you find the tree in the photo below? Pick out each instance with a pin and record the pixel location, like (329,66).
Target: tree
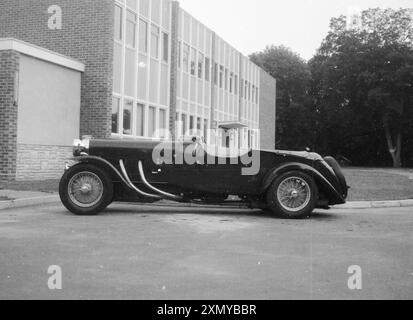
(294,114)
(362,85)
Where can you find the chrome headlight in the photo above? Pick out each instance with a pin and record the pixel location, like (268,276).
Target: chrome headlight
(81,147)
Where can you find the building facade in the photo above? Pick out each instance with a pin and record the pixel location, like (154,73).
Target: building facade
(151,70)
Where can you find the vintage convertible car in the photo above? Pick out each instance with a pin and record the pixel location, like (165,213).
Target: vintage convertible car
(289,184)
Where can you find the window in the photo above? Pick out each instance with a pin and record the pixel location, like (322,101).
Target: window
(249,91)
(131,4)
(179,54)
(162,119)
(140,120)
(253,93)
(185,55)
(127,117)
(184,124)
(165,47)
(192,123)
(207,68)
(193,61)
(199,124)
(151,121)
(155,42)
(206,130)
(236,84)
(200,65)
(216,74)
(115,115)
(118,23)
(130,29)
(143,36)
(231,82)
(257,95)
(226,79)
(221,76)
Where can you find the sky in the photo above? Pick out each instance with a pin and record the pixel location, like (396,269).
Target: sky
(251,25)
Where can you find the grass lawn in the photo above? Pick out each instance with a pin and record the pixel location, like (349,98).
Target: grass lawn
(379,184)
(48,186)
(365,183)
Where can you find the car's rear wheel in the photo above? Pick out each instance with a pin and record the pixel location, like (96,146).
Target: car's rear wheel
(86,190)
(293,195)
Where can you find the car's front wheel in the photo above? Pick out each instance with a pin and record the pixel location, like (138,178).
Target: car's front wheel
(86,190)
(293,195)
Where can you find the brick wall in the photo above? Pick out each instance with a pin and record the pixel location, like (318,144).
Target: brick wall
(86,35)
(9,66)
(267,110)
(36,162)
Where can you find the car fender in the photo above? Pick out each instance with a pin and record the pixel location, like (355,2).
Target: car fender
(103,164)
(294,166)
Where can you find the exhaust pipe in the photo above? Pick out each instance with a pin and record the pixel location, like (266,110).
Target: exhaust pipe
(167,196)
(132,186)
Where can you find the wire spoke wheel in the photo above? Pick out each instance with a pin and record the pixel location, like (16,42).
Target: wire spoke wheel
(294,194)
(85,189)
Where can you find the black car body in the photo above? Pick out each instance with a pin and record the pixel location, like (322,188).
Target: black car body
(291,184)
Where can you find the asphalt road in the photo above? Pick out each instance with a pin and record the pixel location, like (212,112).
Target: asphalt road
(133,252)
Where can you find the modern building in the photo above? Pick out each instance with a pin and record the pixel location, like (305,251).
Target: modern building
(129,69)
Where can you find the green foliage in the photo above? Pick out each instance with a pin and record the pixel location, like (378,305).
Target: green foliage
(362,87)
(294,109)
(355,96)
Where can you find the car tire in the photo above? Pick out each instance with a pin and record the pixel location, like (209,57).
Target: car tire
(293,195)
(86,190)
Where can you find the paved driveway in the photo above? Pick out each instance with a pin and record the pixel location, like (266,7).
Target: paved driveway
(169,253)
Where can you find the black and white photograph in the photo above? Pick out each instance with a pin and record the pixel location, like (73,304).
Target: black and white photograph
(229,152)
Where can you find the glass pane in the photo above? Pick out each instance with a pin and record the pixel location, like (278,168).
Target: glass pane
(130,29)
(130,72)
(186,57)
(192,123)
(115,115)
(127,117)
(151,121)
(183,124)
(207,68)
(155,42)
(226,79)
(200,65)
(162,119)
(144,7)
(118,23)
(139,120)
(131,4)
(179,54)
(193,61)
(165,47)
(143,36)
(142,76)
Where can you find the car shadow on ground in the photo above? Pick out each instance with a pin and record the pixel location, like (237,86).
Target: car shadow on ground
(153,211)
